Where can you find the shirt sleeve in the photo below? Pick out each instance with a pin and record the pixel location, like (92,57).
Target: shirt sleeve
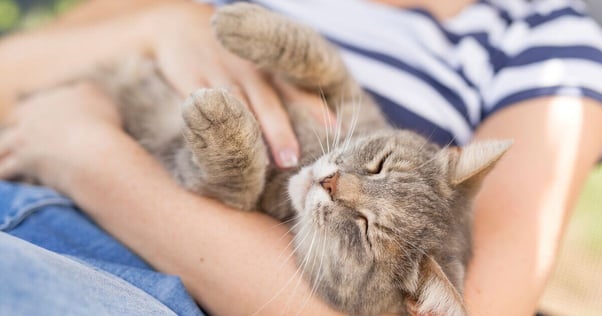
(555,52)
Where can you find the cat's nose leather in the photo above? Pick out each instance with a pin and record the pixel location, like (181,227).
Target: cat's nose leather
(330,183)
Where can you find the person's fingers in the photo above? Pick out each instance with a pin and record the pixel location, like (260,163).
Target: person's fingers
(274,120)
(6,141)
(184,72)
(219,80)
(9,167)
(315,104)
(185,81)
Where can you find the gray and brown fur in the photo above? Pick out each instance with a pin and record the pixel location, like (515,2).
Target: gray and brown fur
(391,228)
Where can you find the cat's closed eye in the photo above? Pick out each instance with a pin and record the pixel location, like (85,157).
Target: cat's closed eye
(377,166)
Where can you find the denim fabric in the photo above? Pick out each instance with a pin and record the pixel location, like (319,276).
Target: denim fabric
(35,281)
(44,218)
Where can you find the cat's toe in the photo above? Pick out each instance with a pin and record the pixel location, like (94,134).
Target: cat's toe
(207,109)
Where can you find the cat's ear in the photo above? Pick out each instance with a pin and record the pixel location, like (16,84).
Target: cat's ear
(471,163)
(436,295)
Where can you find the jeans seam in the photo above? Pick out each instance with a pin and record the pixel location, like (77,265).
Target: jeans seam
(22,213)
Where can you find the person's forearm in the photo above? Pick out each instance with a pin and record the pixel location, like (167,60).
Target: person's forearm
(525,202)
(38,59)
(232,262)
(95,10)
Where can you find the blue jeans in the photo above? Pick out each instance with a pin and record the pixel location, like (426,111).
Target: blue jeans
(55,261)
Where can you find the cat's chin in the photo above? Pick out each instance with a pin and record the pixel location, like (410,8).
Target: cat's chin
(298,188)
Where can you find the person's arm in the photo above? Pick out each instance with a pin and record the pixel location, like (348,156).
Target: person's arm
(177,34)
(90,11)
(93,33)
(526,201)
(235,262)
(232,262)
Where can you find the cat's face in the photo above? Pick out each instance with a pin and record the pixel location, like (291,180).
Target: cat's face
(370,214)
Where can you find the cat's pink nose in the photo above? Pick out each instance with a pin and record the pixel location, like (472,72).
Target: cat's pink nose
(330,183)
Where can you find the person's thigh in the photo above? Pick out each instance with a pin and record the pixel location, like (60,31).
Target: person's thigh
(35,281)
(41,217)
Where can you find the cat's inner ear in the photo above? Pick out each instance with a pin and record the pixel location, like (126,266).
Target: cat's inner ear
(436,295)
(474,161)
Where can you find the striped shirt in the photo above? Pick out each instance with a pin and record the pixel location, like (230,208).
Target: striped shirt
(443,78)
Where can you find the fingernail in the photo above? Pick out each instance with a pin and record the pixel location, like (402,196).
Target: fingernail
(288,158)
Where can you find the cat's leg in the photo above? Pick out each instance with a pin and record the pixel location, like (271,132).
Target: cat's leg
(225,156)
(301,56)
(276,44)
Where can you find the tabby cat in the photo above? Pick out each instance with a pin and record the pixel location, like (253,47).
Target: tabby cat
(381,218)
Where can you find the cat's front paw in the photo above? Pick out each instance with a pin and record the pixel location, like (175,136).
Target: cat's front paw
(225,142)
(210,115)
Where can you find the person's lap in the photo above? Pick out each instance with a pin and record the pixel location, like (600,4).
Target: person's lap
(55,258)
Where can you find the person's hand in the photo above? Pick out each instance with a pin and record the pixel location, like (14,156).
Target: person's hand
(180,38)
(51,131)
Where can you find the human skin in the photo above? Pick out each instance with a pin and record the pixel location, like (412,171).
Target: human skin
(222,255)
(175,33)
(520,213)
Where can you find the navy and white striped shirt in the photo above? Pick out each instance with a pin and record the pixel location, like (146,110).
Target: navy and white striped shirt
(442,79)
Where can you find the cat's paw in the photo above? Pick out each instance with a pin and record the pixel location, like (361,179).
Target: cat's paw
(226,145)
(212,115)
(244,29)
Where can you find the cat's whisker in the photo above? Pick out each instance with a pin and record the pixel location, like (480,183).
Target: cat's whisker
(313,128)
(284,222)
(328,119)
(318,277)
(288,258)
(325,121)
(435,156)
(354,120)
(286,198)
(426,142)
(339,125)
(410,245)
(297,246)
(347,138)
(304,267)
(293,252)
(397,231)
(337,131)
(282,288)
(289,231)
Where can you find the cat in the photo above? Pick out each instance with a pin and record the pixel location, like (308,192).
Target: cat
(381,218)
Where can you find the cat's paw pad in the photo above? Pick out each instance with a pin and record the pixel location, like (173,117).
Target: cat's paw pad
(243,28)
(208,113)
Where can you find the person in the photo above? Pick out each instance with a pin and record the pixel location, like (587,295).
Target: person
(457,71)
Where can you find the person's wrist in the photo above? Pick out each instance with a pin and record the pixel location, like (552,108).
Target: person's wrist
(68,171)
(75,147)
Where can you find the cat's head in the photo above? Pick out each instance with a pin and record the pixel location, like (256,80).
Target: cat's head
(385,221)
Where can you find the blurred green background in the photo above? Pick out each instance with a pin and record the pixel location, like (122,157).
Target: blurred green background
(576,285)
(27,13)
